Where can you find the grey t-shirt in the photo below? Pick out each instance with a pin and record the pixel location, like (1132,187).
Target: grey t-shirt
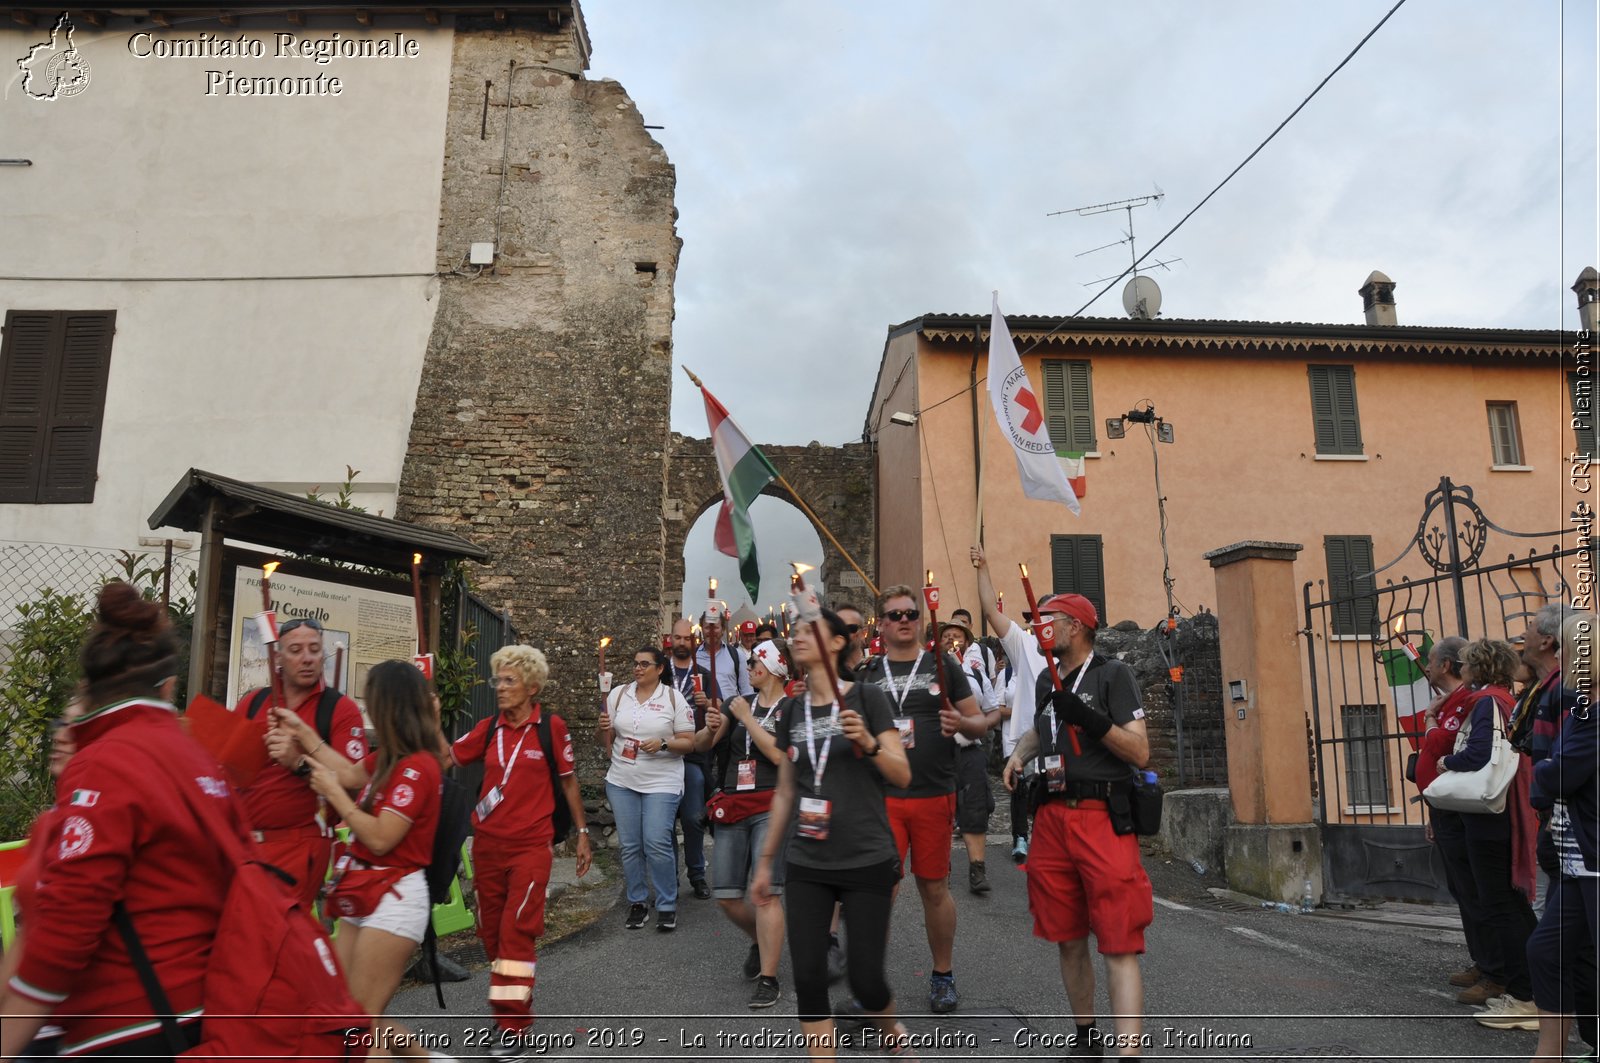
(858,823)
(1109,688)
(931,753)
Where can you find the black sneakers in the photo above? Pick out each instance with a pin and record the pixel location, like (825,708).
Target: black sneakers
(978,877)
(765,993)
(666,922)
(638,916)
(752,963)
(702,892)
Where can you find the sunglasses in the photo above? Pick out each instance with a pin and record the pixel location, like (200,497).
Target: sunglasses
(902,615)
(299,621)
(851,629)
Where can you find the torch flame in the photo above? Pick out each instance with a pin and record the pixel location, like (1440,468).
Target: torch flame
(800,567)
(713,585)
(416,559)
(269,568)
(930,578)
(605,642)
(1024,570)
(1399,622)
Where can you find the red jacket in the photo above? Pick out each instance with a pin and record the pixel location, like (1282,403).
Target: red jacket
(1441,739)
(120,830)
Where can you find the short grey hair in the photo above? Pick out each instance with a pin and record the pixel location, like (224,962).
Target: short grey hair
(1549,620)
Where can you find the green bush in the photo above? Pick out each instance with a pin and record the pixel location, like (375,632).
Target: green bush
(38,681)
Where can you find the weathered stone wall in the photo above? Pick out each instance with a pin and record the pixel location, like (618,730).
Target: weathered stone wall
(1205,750)
(542,418)
(836,483)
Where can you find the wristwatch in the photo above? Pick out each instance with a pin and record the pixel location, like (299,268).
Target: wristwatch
(876,749)
(583,830)
(303,768)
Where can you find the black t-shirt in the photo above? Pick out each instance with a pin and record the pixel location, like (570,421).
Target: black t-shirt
(858,826)
(932,754)
(683,679)
(736,745)
(1108,688)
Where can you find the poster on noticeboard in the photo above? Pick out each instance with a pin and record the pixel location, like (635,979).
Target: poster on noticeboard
(367,625)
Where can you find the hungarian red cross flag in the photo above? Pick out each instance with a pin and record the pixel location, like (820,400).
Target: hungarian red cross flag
(1020,414)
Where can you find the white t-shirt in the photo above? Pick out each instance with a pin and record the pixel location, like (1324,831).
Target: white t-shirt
(1022,650)
(659,716)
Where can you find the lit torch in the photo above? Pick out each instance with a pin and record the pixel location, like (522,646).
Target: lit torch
(267,626)
(603,644)
(1405,644)
(1045,631)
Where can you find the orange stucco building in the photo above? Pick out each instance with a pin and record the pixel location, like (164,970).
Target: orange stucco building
(1287,432)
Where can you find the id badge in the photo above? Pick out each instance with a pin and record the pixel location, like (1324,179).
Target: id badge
(1055,774)
(908,731)
(747,775)
(630,749)
(814,813)
(490,802)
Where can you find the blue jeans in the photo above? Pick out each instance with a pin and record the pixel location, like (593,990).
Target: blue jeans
(644,830)
(691,810)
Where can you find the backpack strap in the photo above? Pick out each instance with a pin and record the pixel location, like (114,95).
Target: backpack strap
(547,743)
(258,699)
(147,978)
(325,705)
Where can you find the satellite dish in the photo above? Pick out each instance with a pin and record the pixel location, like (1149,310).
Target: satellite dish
(1142,298)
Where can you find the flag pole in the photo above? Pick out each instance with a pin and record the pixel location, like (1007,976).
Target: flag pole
(787,486)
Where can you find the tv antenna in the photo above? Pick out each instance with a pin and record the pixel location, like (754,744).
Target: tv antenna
(1141,297)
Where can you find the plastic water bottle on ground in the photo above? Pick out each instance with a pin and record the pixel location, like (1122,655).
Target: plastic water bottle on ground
(1308,902)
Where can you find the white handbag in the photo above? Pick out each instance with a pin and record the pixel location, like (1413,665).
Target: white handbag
(1482,791)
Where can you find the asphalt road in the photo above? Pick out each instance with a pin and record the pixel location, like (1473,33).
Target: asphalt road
(1222,981)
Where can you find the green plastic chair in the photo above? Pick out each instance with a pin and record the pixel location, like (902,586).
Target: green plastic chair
(10,864)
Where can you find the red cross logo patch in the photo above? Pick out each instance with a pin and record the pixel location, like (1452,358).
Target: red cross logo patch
(77,835)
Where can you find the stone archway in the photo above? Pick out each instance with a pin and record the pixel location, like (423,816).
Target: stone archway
(836,483)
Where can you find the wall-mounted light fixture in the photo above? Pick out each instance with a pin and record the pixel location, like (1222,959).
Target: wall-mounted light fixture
(902,418)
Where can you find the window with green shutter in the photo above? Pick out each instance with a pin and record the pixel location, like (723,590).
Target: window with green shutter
(1077,565)
(1069,405)
(1351,584)
(1335,421)
(54,365)
(1581,389)
(1505,435)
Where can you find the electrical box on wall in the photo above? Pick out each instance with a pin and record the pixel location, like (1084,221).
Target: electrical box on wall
(481,254)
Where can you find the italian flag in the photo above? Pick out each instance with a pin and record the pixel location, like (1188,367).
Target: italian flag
(1072,464)
(1408,687)
(745,473)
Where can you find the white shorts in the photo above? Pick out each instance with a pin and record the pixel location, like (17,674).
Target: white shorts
(404,910)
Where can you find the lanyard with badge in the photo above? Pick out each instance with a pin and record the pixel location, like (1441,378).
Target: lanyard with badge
(746,768)
(815,811)
(905,724)
(1054,766)
(497,793)
(630,746)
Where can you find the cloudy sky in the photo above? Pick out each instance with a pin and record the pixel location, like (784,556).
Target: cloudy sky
(845,166)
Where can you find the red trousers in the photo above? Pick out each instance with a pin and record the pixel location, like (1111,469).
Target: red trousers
(305,857)
(511,890)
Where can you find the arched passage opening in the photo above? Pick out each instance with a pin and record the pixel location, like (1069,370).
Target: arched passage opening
(783,534)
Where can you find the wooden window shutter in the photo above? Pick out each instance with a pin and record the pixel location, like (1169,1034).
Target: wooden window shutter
(54,367)
(1350,557)
(1335,419)
(1069,405)
(1077,566)
(1582,392)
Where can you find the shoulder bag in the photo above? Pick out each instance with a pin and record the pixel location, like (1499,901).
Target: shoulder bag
(1481,792)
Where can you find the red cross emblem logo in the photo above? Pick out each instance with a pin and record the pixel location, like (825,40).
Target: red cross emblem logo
(77,834)
(1035,418)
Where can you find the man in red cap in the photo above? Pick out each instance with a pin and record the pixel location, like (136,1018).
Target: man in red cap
(1084,874)
(747,637)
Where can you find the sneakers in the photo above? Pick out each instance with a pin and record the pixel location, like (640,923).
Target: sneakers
(752,963)
(898,1044)
(666,922)
(1506,1012)
(1088,1047)
(638,916)
(765,993)
(702,892)
(1467,978)
(978,877)
(942,993)
(1481,992)
(1019,851)
(507,1048)
(836,960)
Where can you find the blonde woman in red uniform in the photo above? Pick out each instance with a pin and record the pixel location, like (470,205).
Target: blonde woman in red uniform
(513,828)
(380,889)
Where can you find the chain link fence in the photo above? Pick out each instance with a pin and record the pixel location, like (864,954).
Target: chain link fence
(47,593)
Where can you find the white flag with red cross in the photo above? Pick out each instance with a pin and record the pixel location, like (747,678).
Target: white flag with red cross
(1020,414)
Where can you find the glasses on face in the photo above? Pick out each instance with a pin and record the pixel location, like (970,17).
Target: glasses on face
(503,681)
(902,615)
(299,621)
(644,664)
(851,629)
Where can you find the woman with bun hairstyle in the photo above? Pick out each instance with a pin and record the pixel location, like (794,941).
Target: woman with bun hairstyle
(122,832)
(839,759)
(380,889)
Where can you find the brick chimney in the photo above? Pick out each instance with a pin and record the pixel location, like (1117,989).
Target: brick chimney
(1377,299)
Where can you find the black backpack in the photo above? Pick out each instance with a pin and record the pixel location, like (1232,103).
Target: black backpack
(561,817)
(326,703)
(455,823)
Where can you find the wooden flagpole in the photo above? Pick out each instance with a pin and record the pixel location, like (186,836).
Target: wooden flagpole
(787,486)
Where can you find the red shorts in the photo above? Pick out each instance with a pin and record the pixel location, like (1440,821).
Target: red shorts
(1085,878)
(923,825)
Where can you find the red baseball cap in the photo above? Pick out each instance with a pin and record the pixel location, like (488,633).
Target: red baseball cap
(1076,606)
(747,628)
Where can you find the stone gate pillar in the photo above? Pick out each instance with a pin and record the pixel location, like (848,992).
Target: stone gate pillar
(1274,847)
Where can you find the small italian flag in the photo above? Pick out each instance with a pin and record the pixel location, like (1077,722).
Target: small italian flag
(1072,465)
(1408,687)
(745,473)
(85,798)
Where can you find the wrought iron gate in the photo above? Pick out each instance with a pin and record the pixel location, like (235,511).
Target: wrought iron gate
(1364,685)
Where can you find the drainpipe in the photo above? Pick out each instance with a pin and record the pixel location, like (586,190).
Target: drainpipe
(977,449)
